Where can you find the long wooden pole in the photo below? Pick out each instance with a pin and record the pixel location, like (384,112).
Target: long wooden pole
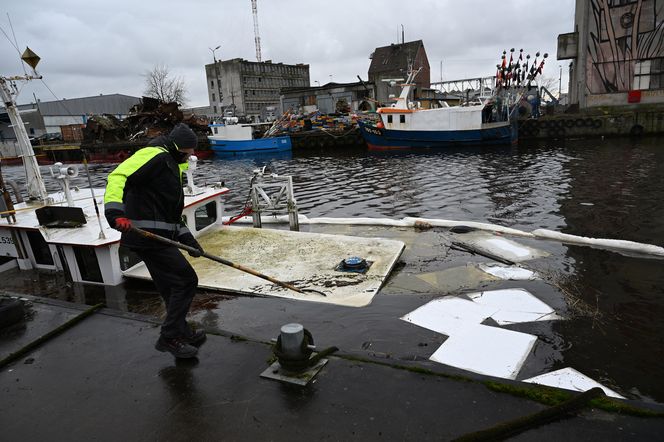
(223,261)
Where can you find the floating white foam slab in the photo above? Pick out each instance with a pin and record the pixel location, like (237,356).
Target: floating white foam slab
(514,306)
(498,246)
(486,350)
(508,273)
(450,315)
(570,379)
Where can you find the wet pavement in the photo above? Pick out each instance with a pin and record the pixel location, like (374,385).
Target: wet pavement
(103,380)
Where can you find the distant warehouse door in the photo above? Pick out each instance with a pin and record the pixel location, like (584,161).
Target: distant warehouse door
(326,105)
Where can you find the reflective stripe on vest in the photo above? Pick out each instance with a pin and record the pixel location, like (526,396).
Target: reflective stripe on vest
(114,205)
(144,223)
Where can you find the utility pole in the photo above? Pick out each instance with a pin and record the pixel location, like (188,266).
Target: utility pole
(216,76)
(560,82)
(257,38)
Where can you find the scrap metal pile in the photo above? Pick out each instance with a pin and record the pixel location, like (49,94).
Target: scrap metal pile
(290,123)
(145,121)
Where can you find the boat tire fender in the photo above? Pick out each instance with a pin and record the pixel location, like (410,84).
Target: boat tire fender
(636,130)
(11,312)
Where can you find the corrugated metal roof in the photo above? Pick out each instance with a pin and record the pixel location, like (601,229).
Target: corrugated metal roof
(100,104)
(393,57)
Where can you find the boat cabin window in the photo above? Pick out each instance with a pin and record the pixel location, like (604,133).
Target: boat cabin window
(86,258)
(389,118)
(128,258)
(402,118)
(39,248)
(206,215)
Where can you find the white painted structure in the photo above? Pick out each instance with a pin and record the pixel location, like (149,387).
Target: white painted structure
(81,252)
(233,132)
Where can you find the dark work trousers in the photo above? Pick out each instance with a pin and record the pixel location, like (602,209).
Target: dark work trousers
(176,281)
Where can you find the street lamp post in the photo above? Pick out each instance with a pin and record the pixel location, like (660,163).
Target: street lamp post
(216,73)
(560,82)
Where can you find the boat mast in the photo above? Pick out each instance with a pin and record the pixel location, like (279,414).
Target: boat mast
(402,101)
(34,182)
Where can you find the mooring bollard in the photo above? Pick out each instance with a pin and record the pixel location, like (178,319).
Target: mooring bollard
(292,336)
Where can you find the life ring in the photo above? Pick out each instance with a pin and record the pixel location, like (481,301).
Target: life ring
(569,123)
(588,122)
(580,122)
(597,123)
(636,130)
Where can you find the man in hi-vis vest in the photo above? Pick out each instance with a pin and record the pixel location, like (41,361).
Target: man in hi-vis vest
(145,191)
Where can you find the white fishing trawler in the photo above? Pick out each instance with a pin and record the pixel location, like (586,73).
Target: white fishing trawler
(405,126)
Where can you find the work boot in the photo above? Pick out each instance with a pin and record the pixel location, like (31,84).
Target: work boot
(178,347)
(196,338)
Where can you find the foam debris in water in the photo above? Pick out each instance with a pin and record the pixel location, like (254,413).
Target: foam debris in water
(449,315)
(498,246)
(570,379)
(508,273)
(486,350)
(514,306)
(481,348)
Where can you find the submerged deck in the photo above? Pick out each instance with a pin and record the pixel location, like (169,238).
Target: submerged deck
(306,260)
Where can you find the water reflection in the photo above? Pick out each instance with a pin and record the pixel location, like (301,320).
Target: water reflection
(257,157)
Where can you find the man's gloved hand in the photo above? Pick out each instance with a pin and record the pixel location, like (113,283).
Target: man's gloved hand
(189,240)
(122,224)
(197,254)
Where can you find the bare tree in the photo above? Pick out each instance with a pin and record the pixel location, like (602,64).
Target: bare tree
(550,83)
(159,84)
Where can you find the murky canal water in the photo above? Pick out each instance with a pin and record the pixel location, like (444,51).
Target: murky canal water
(597,188)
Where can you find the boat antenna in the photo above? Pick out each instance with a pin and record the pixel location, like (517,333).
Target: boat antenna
(13,42)
(92,191)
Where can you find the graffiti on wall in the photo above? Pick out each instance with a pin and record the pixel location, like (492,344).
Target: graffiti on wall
(622,35)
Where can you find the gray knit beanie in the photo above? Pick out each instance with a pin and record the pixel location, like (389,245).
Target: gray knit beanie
(183,136)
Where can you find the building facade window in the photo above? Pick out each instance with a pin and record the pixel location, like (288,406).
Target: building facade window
(649,74)
(213,97)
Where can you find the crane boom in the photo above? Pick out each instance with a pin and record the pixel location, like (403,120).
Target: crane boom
(257,37)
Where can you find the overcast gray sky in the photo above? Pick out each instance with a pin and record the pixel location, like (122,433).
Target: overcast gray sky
(92,47)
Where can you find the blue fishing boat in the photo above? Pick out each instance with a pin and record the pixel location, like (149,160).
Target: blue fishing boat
(406,126)
(229,138)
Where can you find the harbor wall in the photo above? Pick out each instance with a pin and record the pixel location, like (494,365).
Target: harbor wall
(600,121)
